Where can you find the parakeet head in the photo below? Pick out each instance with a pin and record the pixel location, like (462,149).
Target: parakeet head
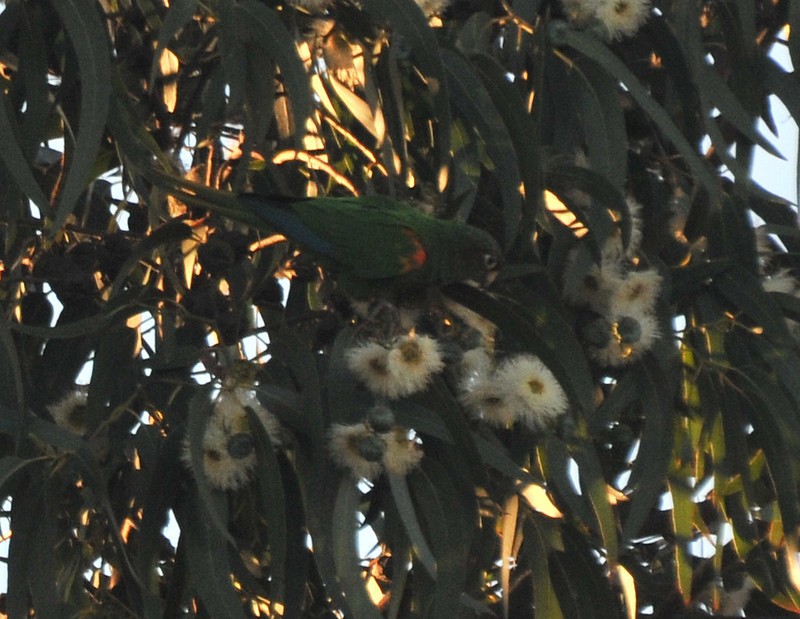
(475,256)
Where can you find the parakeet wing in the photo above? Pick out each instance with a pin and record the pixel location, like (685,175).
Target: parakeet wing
(371,237)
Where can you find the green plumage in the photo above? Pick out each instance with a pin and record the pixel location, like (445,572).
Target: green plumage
(368,242)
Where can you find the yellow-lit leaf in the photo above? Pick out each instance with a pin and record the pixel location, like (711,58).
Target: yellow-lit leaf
(628,586)
(537,498)
(169,65)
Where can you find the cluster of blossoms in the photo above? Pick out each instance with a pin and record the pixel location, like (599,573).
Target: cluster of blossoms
(403,368)
(228,447)
(70,411)
(774,278)
(620,322)
(520,388)
(616,18)
(367,449)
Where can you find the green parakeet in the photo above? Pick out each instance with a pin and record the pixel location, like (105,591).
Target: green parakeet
(371,243)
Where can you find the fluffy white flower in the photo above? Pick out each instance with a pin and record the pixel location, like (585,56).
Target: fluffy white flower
(733,601)
(228,451)
(402,453)
(70,411)
(588,283)
(622,18)
(613,248)
(231,406)
(226,465)
(580,11)
(488,401)
(539,396)
(780,281)
(417,358)
(403,369)
(433,7)
(358,449)
(765,245)
(636,293)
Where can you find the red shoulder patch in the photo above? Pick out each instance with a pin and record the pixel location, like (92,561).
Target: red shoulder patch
(417,257)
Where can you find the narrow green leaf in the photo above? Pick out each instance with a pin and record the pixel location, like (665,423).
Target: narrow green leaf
(716,90)
(295,355)
(93,478)
(12,392)
(405,507)
(593,485)
(14,159)
(665,41)
(440,399)
(273,503)
(89,39)
(472,100)
(25,508)
(172,232)
(495,455)
(508,533)
(113,359)
(776,424)
(179,14)
(298,562)
(33,70)
(744,291)
(683,519)
(583,590)
(687,280)
(624,394)
(163,476)
(446,518)
(649,470)
(406,18)
(136,146)
(557,462)
(200,408)
(536,551)
(595,217)
(10,466)
(207,553)
(594,49)
(265,29)
(521,128)
(399,580)
(259,97)
(345,555)
(116,310)
(603,121)
(43,579)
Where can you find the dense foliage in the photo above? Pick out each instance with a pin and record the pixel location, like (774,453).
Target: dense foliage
(611,427)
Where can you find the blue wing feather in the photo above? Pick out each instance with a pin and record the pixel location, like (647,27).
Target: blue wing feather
(326,227)
(279,214)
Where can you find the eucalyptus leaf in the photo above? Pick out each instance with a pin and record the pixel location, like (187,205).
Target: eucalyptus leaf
(345,555)
(405,507)
(206,550)
(90,42)
(472,100)
(596,51)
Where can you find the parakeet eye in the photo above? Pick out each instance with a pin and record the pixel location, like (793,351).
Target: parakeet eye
(490,261)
